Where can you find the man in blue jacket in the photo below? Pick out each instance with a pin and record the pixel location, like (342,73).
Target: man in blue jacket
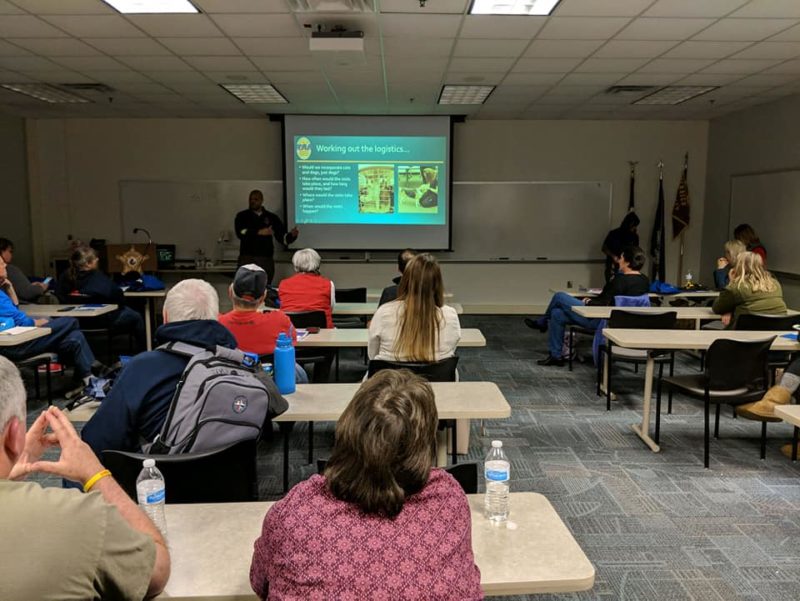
(136,408)
(66,338)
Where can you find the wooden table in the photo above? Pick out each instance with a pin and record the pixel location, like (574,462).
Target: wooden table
(675,340)
(26,335)
(698,314)
(790,414)
(39,311)
(326,403)
(359,338)
(211,547)
(369,309)
(148,297)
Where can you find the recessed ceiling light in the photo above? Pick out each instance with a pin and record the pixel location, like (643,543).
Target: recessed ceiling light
(674,94)
(513,7)
(45,93)
(133,7)
(452,94)
(255,93)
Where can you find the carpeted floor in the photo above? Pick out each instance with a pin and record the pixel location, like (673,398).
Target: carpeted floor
(656,526)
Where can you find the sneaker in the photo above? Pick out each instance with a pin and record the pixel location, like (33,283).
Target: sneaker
(550,360)
(536,324)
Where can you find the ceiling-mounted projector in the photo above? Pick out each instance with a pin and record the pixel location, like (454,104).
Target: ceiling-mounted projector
(338,40)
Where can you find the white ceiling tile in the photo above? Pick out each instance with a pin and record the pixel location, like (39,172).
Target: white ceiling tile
(201,46)
(792,66)
(296,77)
(27,63)
(693,8)
(709,79)
(94,26)
(173,78)
(582,28)
(422,47)
(7,49)
(498,27)
(489,48)
(237,77)
(412,26)
(557,99)
(220,63)
(740,66)
(775,50)
(545,65)
(533,79)
(683,66)
(600,79)
(284,63)
(790,35)
(128,46)
(56,47)
(156,63)
(766,79)
(177,25)
(779,9)
(26,26)
(649,79)
(258,26)
(441,6)
(65,7)
(80,63)
(610,65)
(6,8)
(242,6)
(529,92)
(746,30)
(137,88)
(399,65)
(601,8)
(561,48)
(63,76)
(638,48)
(294,47)
(489,79)
(117,76)
(647,28)
(481,64)
(705,49)
(584,91)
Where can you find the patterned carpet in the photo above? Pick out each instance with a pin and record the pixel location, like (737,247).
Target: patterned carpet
(656,526)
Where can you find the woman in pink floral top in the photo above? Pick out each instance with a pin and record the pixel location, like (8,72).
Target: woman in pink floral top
(381,523)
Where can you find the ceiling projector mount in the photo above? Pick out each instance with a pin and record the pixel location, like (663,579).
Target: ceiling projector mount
(335,38)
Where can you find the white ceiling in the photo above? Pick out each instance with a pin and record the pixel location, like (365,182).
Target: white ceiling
(554,67)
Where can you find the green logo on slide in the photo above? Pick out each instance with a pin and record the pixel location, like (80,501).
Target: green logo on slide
(303,148)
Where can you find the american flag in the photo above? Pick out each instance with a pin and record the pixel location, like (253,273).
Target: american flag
(680,210)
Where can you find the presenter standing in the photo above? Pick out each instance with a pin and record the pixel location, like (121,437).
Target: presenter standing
(256,228)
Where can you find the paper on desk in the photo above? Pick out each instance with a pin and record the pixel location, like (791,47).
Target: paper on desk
(301,333)
(89,307)
(17,330)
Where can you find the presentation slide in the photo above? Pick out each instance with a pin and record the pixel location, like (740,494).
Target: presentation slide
(368,183)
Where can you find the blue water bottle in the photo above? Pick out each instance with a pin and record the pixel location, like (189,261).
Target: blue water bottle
(284,364)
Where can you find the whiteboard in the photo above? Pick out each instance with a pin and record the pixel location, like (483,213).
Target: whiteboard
(770,202)
(557,221)
(190,214)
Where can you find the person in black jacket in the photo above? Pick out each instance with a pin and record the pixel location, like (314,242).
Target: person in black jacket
(616,240)
(256,228)
(628,282)
(83,282)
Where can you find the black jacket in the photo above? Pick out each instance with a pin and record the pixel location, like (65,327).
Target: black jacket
(247,224)
(93,287)
(622,285)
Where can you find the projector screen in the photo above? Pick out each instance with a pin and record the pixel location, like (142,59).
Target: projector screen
(368,183)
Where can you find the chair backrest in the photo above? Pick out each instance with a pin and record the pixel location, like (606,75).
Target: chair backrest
(439,371)
(466,474)
(351,295)
(738,364)
(308,319)
(223,475)
(758,321)
(621,318)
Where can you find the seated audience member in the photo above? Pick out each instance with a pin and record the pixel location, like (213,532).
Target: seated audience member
(135,409)
(617,240)
(780,394)
(751,289)
(69,545)
(733,248)
(382,523)
(745,233)
(390,292)
(83,282)
(628,282)
(307,290)
(418,326)
(27,291)
(65,338)
(256,332)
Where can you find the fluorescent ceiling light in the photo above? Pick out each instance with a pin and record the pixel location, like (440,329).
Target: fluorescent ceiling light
(513,7)
(256,93)
(133,7)
(674,94)
(452,94)
(45,93)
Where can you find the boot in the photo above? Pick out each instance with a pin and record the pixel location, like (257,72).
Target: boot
(777,395)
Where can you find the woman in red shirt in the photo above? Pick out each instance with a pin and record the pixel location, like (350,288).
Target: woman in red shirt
(745,233)
(307,290)
(381,523)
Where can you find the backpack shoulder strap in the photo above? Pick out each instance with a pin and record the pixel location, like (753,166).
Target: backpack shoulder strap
(181,348)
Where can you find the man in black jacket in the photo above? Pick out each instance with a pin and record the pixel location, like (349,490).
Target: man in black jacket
(256,227)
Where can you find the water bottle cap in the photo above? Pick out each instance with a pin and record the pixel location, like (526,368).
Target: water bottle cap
(496,444)
(149,463)
(283,338)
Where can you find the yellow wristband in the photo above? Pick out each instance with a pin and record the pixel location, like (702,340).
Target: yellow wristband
(95,479)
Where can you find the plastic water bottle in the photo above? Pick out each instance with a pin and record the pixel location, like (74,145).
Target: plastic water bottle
(497,470)
(151,492)
(284,364)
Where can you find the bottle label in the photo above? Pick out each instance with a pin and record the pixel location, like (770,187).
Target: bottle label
(156,496)
(497,475)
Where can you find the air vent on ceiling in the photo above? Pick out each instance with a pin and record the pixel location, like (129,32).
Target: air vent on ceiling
(629,89)
(99,88)
(331,6)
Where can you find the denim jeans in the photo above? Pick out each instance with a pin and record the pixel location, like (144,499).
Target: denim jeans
(66,340)
(560,314)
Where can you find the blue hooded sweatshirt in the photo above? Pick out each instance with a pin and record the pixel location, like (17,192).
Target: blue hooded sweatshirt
(135,409)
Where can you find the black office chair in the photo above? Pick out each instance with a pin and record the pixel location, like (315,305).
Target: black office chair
(769,323)
(466,474)
(351,295)
(350,322)
(224,475)
(320,358)
(736,372)
(35,362)
(630,319)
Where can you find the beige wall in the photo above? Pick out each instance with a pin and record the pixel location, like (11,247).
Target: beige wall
(75,167)
(763,138)
(15,219)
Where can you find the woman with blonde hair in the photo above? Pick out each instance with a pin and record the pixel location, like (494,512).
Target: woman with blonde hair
(733,248)
(752,289)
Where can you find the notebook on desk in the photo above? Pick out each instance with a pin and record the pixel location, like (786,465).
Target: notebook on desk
(17,330)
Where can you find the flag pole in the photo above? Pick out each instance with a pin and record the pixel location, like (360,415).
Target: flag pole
(631,201)
(683,231)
